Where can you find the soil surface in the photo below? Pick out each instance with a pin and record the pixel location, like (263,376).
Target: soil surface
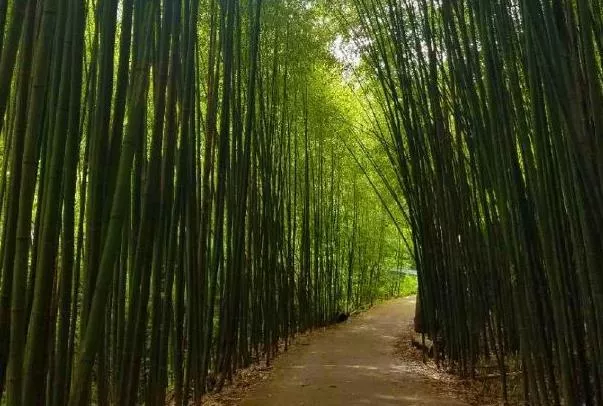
(353,363)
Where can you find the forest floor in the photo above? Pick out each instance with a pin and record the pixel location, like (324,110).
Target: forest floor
(367,360)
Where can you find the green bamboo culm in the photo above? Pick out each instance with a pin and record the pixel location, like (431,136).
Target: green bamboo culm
(493,122)
(176,200)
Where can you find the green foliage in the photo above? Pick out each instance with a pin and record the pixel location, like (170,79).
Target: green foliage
(409,286)
(179,196)
(490,114)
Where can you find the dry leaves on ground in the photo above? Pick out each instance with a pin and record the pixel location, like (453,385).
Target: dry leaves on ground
(479,392)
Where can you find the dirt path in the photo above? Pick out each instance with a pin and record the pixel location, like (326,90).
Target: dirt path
(351,364)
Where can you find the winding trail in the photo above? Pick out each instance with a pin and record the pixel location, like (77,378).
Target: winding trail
(350,364)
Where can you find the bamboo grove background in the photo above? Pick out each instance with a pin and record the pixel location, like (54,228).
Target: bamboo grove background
(174,201)
(491,114)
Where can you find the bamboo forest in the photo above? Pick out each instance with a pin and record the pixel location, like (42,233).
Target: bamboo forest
(189,185)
